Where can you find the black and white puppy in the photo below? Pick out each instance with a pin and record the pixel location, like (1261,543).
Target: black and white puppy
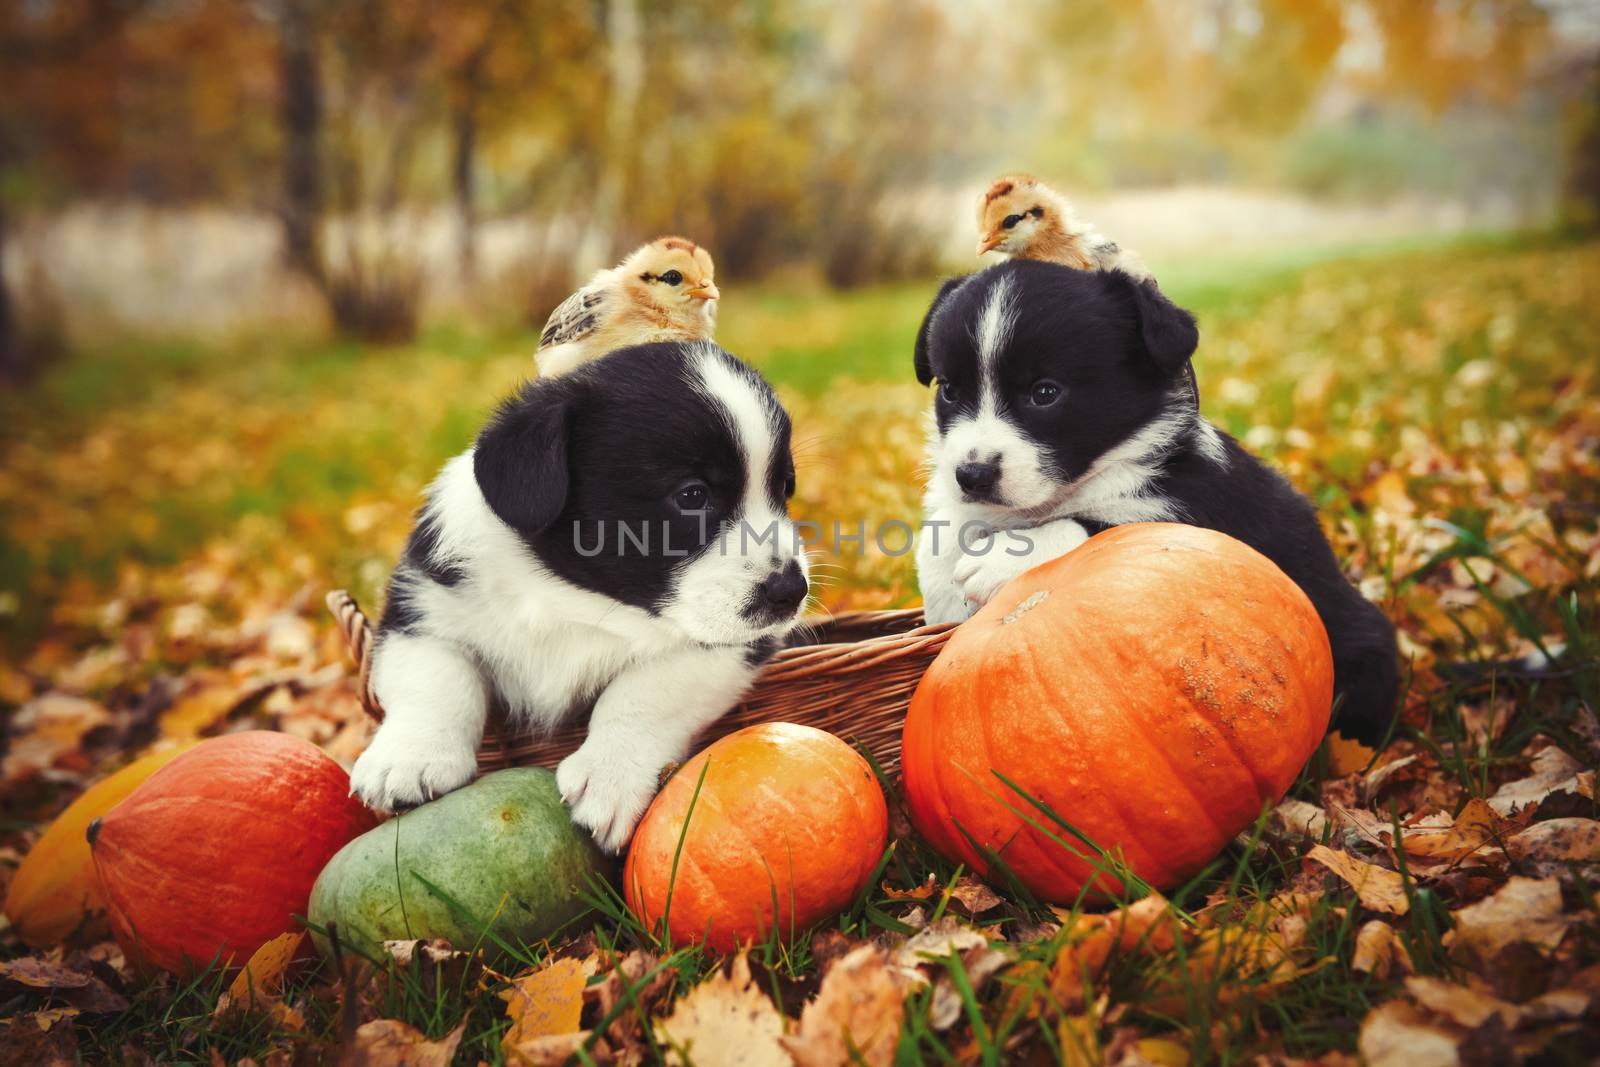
(1062,410)
(618,536)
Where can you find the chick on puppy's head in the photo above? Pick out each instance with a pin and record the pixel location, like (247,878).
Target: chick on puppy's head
(674,278)
(1025,218)
(662,291)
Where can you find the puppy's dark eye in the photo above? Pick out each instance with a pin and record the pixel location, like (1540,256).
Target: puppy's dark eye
(692,496)
(788,484)
(1010,221)
(947,391)
(1043,394)
(672,277)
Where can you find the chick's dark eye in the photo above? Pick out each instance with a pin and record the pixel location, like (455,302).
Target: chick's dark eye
(1010,221)
(692,496)
(1043,394)
(947,391)
(672,277)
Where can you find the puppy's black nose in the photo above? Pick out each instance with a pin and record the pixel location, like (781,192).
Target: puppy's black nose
(783,590)
(979,479)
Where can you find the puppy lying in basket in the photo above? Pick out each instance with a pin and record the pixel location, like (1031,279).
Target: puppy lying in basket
(1063,408)
(617,535)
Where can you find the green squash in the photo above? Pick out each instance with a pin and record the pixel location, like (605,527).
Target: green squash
(501,853)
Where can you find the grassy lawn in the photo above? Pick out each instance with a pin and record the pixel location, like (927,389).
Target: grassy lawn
(1440,403)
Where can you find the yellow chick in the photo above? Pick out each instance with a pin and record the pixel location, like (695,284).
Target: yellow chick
(662,291)
(1025,218)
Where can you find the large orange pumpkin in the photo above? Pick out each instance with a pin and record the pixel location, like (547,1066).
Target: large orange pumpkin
(787,817)
(215,854)
(1154,688)
(55,892)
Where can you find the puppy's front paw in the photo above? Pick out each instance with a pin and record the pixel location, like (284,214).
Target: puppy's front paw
(606,794)
(402,769)
(981,576)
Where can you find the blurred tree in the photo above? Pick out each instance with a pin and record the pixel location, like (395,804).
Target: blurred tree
(300,92)
(32,45)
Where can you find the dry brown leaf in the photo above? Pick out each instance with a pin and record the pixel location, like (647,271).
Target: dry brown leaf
(1545,849)
(934,942)
(72,982)
(1523,910)
(1297,819)
(46,731)
(1379,950)
(556,1050)
(979,965)
(921,892)
(1461,1004)
(855,1016)
(1378,888)
(433,963)
(725,1021)
(1487,720)
(1476,828)
(973,896)
(391,1043)
(1079,1039)
(1399,1034)
(1378,777)
(200,710)
(258,982)
(1237,961)
(1553,772)
(1147,925)
(1346,756)
(543,1003)
(1585,726)
(1369,827)
(1558,1005)
(40,973)
(1161,1052)
(625,996)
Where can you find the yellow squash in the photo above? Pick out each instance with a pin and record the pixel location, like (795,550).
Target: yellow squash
(55,892)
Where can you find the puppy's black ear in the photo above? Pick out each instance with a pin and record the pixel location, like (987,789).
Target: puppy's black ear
(1169,332)
(520,460)
(923,362)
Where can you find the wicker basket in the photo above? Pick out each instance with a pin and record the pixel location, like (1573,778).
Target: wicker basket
(852,675)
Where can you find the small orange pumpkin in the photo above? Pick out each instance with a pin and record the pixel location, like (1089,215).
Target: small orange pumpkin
(787,816)
(215,854)
(1154,687)
(55,892)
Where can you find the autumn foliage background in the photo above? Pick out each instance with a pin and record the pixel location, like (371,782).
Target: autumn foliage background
(266,265)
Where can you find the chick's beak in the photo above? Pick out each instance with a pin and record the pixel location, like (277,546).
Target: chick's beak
(705,292)
(989,243)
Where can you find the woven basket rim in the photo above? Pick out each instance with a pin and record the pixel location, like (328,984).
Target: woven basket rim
(907,636)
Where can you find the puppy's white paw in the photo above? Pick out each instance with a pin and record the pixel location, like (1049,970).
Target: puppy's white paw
(980,576)
(606,793)
(402,769)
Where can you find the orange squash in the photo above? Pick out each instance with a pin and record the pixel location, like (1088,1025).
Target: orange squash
(215,854)
(1155,688)
(788,826)
(55,893)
